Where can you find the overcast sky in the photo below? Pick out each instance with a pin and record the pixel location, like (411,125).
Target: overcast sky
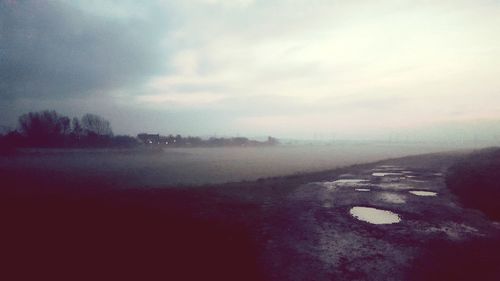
(287,68)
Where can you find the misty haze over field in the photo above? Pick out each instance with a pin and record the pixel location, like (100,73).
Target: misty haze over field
(250,140)
(204,165)
(321,70)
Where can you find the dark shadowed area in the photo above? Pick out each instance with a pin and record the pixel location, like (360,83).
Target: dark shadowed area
(52,232)
(249,140)
(476,180)
(262,230)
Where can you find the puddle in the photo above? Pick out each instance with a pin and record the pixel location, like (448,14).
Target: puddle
(395,186)
(374,216)
(347,176)
(392,198)
(422,193)
(389,169)
(417,181)
(381,174)
(350,182)
(387,166)
(327,184)
(362,189)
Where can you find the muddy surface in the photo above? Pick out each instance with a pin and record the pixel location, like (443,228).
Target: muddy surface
(302,227)
(317,237)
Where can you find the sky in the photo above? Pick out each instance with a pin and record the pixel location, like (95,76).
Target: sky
(293,69)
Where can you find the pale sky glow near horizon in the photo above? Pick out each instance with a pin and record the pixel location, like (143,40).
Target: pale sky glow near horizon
(291,69)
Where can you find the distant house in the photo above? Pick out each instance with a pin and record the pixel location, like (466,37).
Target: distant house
(272,141)
(189,141)
(149,138)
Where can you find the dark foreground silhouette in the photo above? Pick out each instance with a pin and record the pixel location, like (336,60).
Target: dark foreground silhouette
(475,179)
(73,235)
(471,260)
(54,227)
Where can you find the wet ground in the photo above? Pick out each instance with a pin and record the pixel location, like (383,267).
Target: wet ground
(371,224)
(391,220)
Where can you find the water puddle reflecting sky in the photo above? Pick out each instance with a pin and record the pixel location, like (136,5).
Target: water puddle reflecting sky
(350,182)
(374,215)
(381,174)
(422,193)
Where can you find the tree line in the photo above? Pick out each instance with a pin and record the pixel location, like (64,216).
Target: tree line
(53,130)
(189,141)
(50,129)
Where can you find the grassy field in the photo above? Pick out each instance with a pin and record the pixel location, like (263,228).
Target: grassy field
(158,167)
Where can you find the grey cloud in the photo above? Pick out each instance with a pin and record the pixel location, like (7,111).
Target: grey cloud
(55,49)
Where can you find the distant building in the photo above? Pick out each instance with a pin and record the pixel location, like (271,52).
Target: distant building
(272,141)
(149,138)
(189,141)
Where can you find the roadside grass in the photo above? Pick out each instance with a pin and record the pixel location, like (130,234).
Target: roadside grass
(476,181)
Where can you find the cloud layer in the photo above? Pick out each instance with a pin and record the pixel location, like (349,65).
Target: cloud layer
(289,68)
(61,49)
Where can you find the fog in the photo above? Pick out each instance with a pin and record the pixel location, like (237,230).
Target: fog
(197,166)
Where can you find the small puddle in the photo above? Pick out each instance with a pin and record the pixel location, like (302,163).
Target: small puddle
(380,174)
(362,189)
(417,181)
(387,166)
(374,215)
(422,193)
(347,176)
(350,182)
(327,184)
(395,186)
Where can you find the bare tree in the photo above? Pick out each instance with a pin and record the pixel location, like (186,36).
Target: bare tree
(65,125)
(76,128)
(45,127)
(95,124)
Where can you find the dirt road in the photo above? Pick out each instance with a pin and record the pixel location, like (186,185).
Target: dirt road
(324,230)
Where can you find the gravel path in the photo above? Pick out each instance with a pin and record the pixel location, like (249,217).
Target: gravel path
(315,236)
